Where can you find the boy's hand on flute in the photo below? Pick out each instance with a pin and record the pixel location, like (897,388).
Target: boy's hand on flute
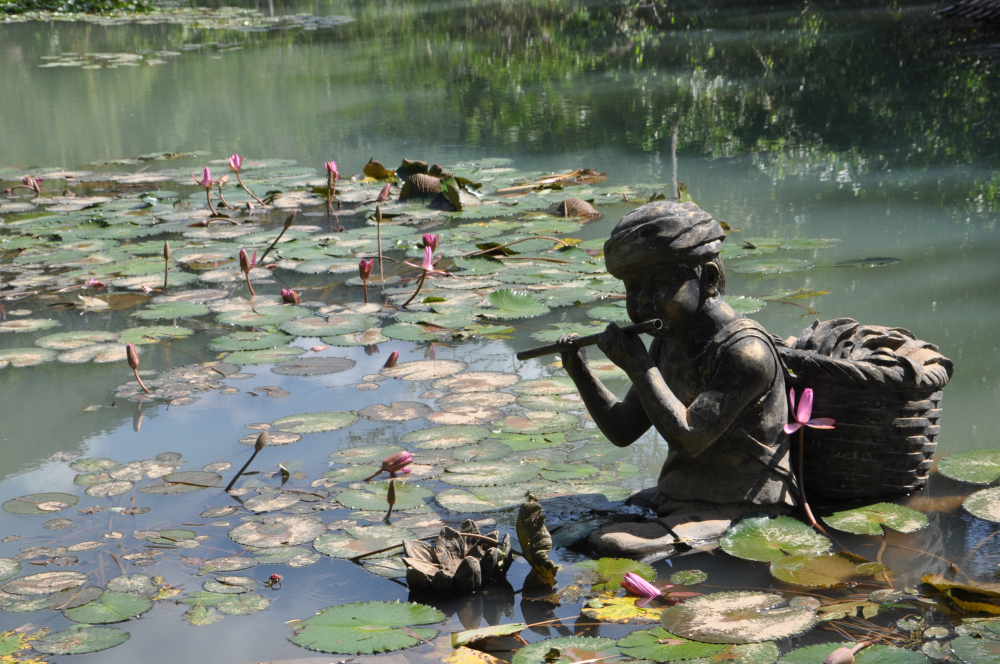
(624,349)
(573,357)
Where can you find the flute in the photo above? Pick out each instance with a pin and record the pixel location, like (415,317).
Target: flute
(589,340)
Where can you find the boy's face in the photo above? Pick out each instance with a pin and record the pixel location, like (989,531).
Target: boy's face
(672,294)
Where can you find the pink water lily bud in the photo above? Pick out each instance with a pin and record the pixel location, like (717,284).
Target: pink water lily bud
(132,356)
(431,240)
(145,289)
(391,362)
(365,268)
(28,181)
(840,656)
(383,195)
(396,462)
(206,178)
(639,586)
(94,283)
(247,263)
(289,296)
(803,416)
(275,578)
(331,168)
(428,263)
(236,162)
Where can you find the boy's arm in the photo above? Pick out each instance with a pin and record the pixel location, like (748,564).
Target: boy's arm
(622,421)
(744,373)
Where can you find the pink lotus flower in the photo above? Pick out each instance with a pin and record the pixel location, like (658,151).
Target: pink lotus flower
(365,268)
(391,362)
(331,168)
(94,283)
(639,586)
(247,263)
(804,413)
(431,240)
(236,162)
(132,356)
(397,463)
(145,289)
(289,296)
(428,264)
(206,178)
(383,195)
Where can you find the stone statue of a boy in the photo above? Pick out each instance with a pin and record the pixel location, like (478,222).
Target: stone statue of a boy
(711,382)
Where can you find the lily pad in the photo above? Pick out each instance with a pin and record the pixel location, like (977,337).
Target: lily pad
(489,473)
(112,607)
(27,325)
(362,540)
(278,531)
(367,627)
(313,366)
(397,411)
(45,583)
(744,305)
(40,503)
(476,381)
(183,482)
(350,473)
(172,310)
(315,326)
(975,467)
(425,369)
(481,499)
(873,261)
(151,334)
(262,316)
(202,615)
(230,585)
(605,574)
(266,356)
(770,266)
(9,568)
(869,520)
(737,617)
(250,341)
(243,604)
(446,437)
(293,556)
(227,564)
(364,454)
(375,497)
(80,639)
(823,570)
(315,422)
(565,649)
(688,577)
(539,386)
(973,651)
(769,539)
(622,610)
(512,304)
(984,504)
(610,314)
(660,645)
(25,357)
(70,340)
(879,654)
(537,422)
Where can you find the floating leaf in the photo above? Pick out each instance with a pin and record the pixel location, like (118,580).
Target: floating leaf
(150,335)
(538,386)
(744,305)
(459,639)
(227,564)
(201,615)
(80,639)
(312,366)
(350,473)
(362,540)
(605,574)
(446,437)
(623,610)
(869,520)
(293,556)
(566,649)
(874,261)
(767,539)
(45,583)
(823,570)
(266,356)
(112,607)
(512,304)
(183,482)
(660,645)
(481,499)
(70,340)
(770,266)
(366,627)
(397,411)
(278,531)
(737,617)
(610,314)
(375,497)
(975,467)
(425,369)
(315,422)
(537,422)
(688,577)
(555,402)
(250,341)
(364,454)
(489,473)
(25,357)
(40,503)
(262,316)
(9,568)
(970,651)
(984,504)
(172,310)
(27,325)
(243,604)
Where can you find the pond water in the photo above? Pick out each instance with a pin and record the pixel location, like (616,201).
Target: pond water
(869,125)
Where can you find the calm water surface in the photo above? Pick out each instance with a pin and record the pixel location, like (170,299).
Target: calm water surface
(862,122)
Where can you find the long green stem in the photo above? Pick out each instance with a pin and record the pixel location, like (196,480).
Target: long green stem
(240,180)
(419,286)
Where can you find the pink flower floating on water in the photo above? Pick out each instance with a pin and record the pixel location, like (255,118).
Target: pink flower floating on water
(804,413)
(639,586)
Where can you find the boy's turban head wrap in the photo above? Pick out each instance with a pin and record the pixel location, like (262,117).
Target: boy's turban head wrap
(660,233)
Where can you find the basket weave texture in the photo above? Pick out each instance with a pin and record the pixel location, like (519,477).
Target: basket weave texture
(883,387)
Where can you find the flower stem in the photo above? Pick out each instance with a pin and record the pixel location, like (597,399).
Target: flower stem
(240,180)
(802,484)
(166,270)
(276,240)
(242,470)
(223,198)
(141,384)
(329,191)
(247,275)
(364,282)
(419,286)
(208,197)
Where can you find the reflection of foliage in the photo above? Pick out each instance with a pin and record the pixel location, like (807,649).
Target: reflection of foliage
(83,6)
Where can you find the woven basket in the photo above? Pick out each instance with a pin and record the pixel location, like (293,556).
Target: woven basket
(883,388)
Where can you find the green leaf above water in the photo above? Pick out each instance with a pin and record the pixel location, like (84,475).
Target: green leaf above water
(605,574)
(80,639)
(565,649)
(767,539)
(974,467)
(688,577)
(659,645)
(512,304)
(112,607)
(870,519)
(366,627)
